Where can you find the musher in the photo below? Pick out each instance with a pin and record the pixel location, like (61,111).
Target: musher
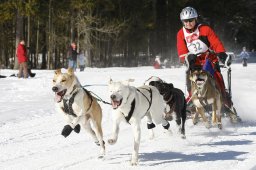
(198,44)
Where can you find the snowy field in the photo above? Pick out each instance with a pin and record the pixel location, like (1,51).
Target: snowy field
(30,127)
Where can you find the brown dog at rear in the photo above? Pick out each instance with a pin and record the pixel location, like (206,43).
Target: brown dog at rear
(204,93)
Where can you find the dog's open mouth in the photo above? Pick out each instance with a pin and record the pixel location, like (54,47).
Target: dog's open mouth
(59,95)
(116,103)
(200,81)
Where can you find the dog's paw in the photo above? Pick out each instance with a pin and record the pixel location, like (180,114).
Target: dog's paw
(195,120)
(77,128)
(168,117)
(168,132)
(66,130)
(207,125)
(98,143)
(183,136)
(111,141)
(151,134)
(220,126)
(134,162)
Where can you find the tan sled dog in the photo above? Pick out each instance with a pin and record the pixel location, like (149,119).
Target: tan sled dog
(204,93)
(78,106)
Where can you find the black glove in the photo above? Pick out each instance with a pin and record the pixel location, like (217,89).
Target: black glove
(223,57)
(191,60)
(66,130)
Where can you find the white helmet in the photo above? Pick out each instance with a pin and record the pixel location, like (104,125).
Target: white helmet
(188,13)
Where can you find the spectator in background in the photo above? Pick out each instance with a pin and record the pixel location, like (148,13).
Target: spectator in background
(81,61)
(157,63)
(244,55)
(22,60)
(72,56)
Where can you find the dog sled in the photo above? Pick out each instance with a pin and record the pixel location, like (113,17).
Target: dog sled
(230,111)
(226,111)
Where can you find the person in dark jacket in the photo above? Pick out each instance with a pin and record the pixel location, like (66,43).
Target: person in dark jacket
(72,56)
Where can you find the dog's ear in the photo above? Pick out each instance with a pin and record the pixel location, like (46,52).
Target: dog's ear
(70,71)
(191,75)
(131,80)
(127,82)
(170,86)
(58,71)
(153,83)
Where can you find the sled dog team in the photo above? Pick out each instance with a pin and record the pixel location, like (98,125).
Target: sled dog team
(158,101)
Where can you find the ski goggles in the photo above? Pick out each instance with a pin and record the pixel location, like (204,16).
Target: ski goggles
(188,20)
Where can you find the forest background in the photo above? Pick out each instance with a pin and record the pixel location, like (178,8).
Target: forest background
(115,32)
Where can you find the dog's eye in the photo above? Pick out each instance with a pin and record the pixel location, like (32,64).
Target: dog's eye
(54,81)
(63,80)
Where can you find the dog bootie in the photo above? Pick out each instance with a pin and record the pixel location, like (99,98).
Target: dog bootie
(166,126)
(77,128)
(151,125)
(66,130)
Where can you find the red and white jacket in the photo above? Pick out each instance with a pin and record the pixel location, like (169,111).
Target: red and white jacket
(201,40)
(22,53)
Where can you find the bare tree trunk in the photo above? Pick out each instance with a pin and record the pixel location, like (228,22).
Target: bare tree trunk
(72,28)
(28,42)
(49,37)
(19,35)
(37,43)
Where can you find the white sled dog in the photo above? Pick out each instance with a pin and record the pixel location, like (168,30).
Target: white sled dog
(131,104)
(78,107)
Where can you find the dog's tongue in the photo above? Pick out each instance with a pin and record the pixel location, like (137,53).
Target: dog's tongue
(115,104)
(57,98)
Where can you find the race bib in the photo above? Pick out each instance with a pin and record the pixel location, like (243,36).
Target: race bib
(194,44)
(197,46)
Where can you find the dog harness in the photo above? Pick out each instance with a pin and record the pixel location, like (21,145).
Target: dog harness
(128,117)
(150,92)
(202,99)
(68,103)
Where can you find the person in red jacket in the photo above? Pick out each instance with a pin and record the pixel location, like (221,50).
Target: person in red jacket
(22,60)
(197,44)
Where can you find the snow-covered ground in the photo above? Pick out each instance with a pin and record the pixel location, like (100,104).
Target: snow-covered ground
(30,127)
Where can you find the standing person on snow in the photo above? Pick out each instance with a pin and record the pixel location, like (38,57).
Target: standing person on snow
(72,56)
(200,45)
(22,59)
(157,63)
(244,55)
(81,60)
